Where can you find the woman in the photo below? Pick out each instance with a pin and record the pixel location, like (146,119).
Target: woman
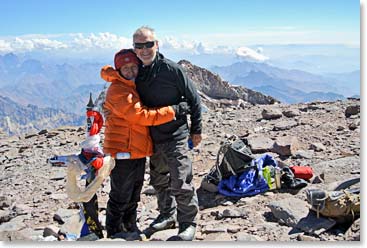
(127,139)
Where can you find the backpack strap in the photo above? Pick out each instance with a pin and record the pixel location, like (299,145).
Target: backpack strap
(346,184)
(222,150)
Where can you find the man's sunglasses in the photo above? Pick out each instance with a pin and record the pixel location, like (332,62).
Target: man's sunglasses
(148,44)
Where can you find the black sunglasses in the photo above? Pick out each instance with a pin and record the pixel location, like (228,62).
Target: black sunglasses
(148,44)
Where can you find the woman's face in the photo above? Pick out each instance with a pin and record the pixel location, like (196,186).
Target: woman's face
(129,71)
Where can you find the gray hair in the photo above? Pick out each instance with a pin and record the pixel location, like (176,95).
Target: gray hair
(141,31)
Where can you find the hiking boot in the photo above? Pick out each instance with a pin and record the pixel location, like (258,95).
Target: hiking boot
(186,232)
(162,222)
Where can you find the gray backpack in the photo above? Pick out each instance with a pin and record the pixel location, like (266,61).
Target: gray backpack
(234,157)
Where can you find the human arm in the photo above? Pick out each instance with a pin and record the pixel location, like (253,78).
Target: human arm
(124,102)
(192,97)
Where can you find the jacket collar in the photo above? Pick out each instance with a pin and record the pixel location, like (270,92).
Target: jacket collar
(111,75)
(150,71)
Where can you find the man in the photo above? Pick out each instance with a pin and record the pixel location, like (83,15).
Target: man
(161,82)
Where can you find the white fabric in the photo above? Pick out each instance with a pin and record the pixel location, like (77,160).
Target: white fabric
(75,169)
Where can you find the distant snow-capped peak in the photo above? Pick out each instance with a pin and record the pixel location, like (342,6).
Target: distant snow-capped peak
(248,53)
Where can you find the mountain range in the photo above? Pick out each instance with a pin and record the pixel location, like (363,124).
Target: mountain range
(16,119)
(49,95)
(290,86)
(41,92)
(59,86)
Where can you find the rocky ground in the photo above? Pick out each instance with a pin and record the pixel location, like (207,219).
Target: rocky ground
(323,135)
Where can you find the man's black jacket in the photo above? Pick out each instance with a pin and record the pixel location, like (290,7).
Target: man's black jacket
(165,83)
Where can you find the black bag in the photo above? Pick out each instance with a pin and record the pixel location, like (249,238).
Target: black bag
(236,158)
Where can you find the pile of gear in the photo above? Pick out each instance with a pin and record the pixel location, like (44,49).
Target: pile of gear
(238,173)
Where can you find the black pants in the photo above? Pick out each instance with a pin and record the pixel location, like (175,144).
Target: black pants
(127,180)
(171,177)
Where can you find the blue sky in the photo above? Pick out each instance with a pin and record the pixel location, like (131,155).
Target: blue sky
(189,18)
(185,28)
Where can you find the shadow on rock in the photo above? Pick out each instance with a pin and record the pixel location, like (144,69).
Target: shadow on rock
(211,199)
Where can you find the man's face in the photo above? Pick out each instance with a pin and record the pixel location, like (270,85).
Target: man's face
(129,71)
(145,47)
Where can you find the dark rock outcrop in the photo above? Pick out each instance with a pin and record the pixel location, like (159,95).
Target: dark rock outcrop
(214,87)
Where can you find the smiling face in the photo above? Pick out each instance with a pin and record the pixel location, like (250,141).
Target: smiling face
(142,47)
(129,71)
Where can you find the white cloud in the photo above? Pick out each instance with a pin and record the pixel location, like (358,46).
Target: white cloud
(20,44)
(183,45)
(46,44)
(211,43)
(5,46)
(248,53)
(170,43)
(73,42)
(103,44)
(100,41)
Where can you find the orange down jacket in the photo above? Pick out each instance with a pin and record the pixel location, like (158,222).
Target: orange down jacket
(127,120)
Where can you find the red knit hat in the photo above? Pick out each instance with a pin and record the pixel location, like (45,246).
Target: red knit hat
(124,57)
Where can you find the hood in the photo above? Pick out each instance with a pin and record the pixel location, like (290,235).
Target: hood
(109,74)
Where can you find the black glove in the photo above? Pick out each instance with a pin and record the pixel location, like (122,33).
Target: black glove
(290,181)
(181,109)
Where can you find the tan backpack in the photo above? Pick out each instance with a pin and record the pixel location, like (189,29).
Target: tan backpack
(341,204)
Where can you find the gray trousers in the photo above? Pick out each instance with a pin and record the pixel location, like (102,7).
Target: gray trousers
(171,177)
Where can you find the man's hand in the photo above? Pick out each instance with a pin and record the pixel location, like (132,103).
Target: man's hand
(181,109)
(196,139)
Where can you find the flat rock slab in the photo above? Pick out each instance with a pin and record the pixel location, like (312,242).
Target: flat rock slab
(245,237)
(260,143)
(163,235)
(312,224)
(341,165)
(296,213)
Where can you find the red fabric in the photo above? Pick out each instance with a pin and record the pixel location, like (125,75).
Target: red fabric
(97,163)
(124,57)
(304,172)
(95,156)
(97,122)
